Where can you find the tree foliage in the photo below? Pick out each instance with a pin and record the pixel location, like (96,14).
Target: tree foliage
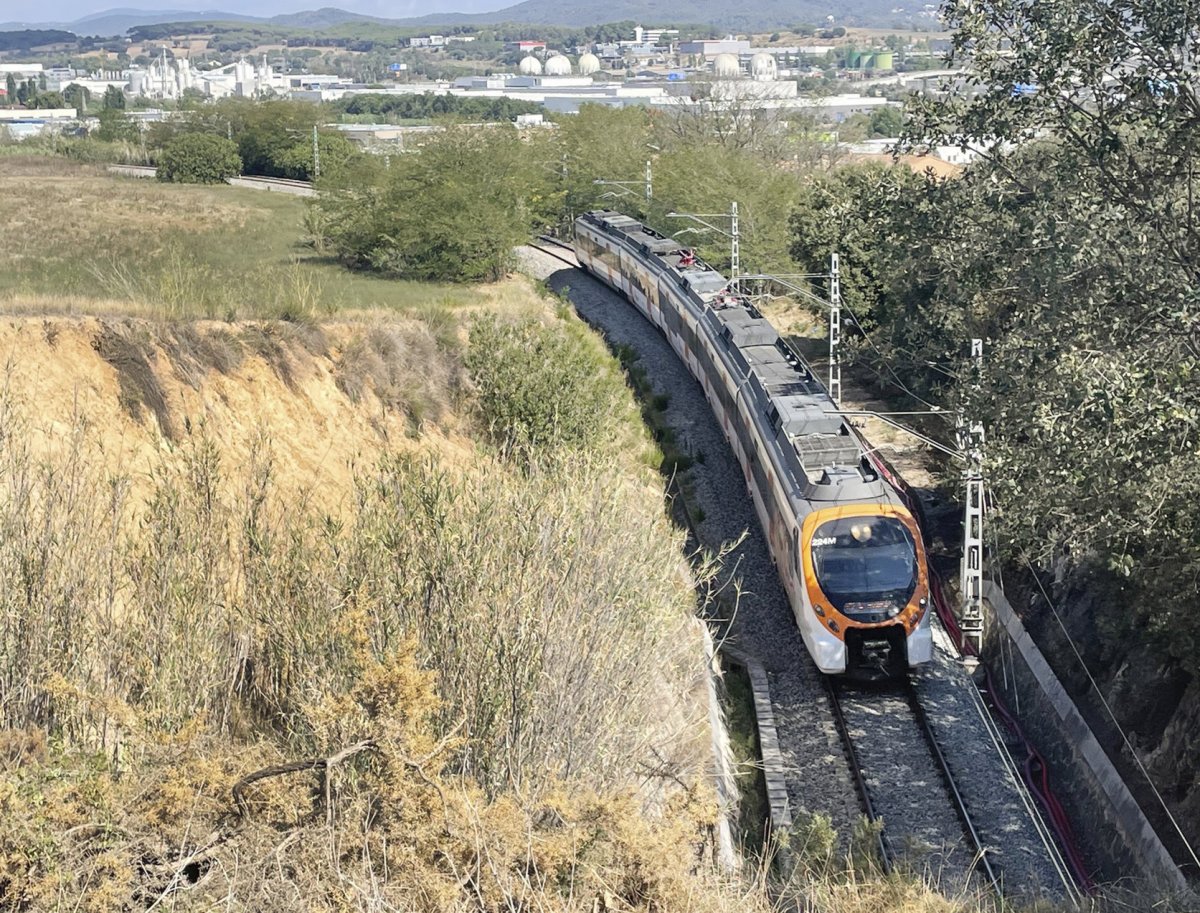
(198,158)
(114,98)
(1070,247)
(453,212)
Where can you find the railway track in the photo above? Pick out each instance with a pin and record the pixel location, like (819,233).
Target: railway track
(553,247)
(282,185)
(896,762)
(886,767)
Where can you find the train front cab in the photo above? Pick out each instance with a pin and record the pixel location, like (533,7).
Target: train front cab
(867,625)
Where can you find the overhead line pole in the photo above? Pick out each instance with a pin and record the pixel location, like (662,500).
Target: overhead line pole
(835,329)
(970,442)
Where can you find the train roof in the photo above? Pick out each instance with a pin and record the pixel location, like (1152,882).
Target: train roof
(813,441)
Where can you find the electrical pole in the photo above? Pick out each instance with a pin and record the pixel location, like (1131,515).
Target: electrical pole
(316,154)
(835,329)
(649,182)
(735,254)
(970,443)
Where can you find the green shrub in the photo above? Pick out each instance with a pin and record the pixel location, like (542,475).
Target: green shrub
(199,158)
(539,388)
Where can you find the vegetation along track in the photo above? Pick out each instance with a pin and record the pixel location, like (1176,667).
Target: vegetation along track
(818,778)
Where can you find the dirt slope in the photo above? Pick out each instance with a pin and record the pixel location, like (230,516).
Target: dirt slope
(327,399)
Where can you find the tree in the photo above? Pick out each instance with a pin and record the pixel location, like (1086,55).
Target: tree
(198,158)
(77,97)
(48,100)
(116,127)
(454,212)
(1072,247)
(296,162)
(11,86)
(114,98)
(886,121)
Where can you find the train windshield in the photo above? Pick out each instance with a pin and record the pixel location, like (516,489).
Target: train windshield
(865,564)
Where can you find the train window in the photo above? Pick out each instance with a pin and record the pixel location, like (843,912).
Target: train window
(865,565)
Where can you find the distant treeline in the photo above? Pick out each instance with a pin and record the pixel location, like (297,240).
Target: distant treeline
(365,37)
(428,105)
(34,38)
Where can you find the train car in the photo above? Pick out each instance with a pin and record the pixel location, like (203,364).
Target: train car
(849,552)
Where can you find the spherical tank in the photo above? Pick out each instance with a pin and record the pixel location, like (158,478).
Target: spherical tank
(530,66)
(589,64)
(558,66)
(726,66)
(763,66)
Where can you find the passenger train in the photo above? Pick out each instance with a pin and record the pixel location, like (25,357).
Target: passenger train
(848,550)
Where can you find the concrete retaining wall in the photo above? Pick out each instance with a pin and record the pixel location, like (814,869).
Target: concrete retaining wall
(1108,823)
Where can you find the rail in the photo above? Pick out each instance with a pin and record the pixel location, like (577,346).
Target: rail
(960,805)
(886,855)
(980,860)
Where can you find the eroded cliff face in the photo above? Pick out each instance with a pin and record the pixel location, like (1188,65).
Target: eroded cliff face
(324,400)
(1153,697)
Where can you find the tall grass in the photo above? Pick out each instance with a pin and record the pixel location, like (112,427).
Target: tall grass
(551,608)
(80,240)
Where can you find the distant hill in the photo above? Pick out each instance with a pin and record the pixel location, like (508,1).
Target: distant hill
(323,18)
(116,22)
(757,15)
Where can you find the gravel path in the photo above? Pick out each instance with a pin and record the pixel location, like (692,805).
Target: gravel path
(818,777)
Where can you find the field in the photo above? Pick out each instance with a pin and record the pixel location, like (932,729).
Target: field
(78,240)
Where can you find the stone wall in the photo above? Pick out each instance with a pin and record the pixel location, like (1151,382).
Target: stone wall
(1109,825)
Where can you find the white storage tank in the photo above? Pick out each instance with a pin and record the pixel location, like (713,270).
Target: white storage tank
(558,66)
(726,66)
(530,66)
(589,64)
(763,67)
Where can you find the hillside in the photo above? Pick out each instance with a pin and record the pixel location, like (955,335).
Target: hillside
(764,14)
(231,544)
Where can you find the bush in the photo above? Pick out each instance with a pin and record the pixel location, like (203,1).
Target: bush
(539,389)
(198,158)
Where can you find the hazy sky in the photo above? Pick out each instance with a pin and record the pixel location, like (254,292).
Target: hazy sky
(69,10)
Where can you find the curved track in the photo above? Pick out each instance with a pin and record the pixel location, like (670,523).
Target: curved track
(901,776)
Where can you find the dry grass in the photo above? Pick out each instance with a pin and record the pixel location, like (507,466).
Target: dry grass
(80,240)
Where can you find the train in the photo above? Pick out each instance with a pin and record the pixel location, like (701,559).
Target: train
(848,550)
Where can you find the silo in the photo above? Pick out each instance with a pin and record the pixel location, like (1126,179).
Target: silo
(763,67)
(726,66)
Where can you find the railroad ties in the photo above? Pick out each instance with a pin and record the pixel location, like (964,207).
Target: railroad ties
(898,765)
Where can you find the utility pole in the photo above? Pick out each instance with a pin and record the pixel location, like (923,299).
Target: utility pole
(316,154)
(835,329)
(735,254)
(970,443)
(649,182)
